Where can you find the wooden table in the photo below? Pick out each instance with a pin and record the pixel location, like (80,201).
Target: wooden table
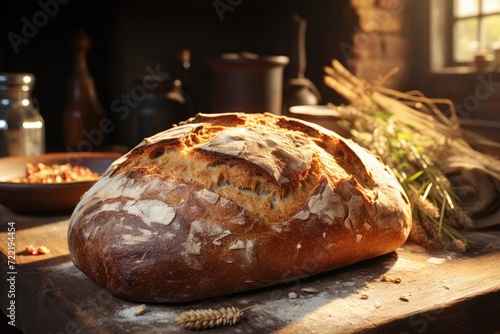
(439,292)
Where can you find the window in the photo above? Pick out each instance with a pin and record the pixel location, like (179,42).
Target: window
(476,29)
(461,30)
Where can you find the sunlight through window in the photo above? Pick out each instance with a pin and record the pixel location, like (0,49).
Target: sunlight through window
(476,29)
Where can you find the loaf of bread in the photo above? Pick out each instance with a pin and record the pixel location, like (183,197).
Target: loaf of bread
(230,202)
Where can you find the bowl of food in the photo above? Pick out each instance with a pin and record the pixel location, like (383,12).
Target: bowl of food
(50,183)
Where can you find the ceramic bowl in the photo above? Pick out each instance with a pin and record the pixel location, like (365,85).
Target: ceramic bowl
(60,198)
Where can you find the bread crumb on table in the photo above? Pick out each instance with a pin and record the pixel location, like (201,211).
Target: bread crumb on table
(387,278)
(36,250)
(363,295)
(141,309)
(309,290)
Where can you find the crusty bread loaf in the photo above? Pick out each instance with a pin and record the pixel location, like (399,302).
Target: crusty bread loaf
(230,202)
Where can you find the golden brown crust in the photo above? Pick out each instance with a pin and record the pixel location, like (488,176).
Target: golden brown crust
(230,202)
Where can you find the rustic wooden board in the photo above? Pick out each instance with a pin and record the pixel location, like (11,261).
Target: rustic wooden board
(438,292)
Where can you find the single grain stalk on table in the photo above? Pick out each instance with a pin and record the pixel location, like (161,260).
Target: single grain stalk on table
(210,318)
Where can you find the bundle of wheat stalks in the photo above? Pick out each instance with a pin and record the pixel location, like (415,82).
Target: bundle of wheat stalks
(421,145)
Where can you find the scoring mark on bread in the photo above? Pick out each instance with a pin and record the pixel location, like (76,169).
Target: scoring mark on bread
(278,158)
(254,167)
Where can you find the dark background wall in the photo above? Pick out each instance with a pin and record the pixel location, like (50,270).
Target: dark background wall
(130,35)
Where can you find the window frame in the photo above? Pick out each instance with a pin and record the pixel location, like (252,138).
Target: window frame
(442,35)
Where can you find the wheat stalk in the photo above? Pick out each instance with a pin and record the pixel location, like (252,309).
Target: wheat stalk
(421,144)
(210,318)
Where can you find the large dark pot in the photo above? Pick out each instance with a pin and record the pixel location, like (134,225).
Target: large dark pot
(247,82)
(160,107)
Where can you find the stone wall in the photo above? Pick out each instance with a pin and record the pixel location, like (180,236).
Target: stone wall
(380,44)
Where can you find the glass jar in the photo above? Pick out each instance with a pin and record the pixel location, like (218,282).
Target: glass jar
(22,129)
